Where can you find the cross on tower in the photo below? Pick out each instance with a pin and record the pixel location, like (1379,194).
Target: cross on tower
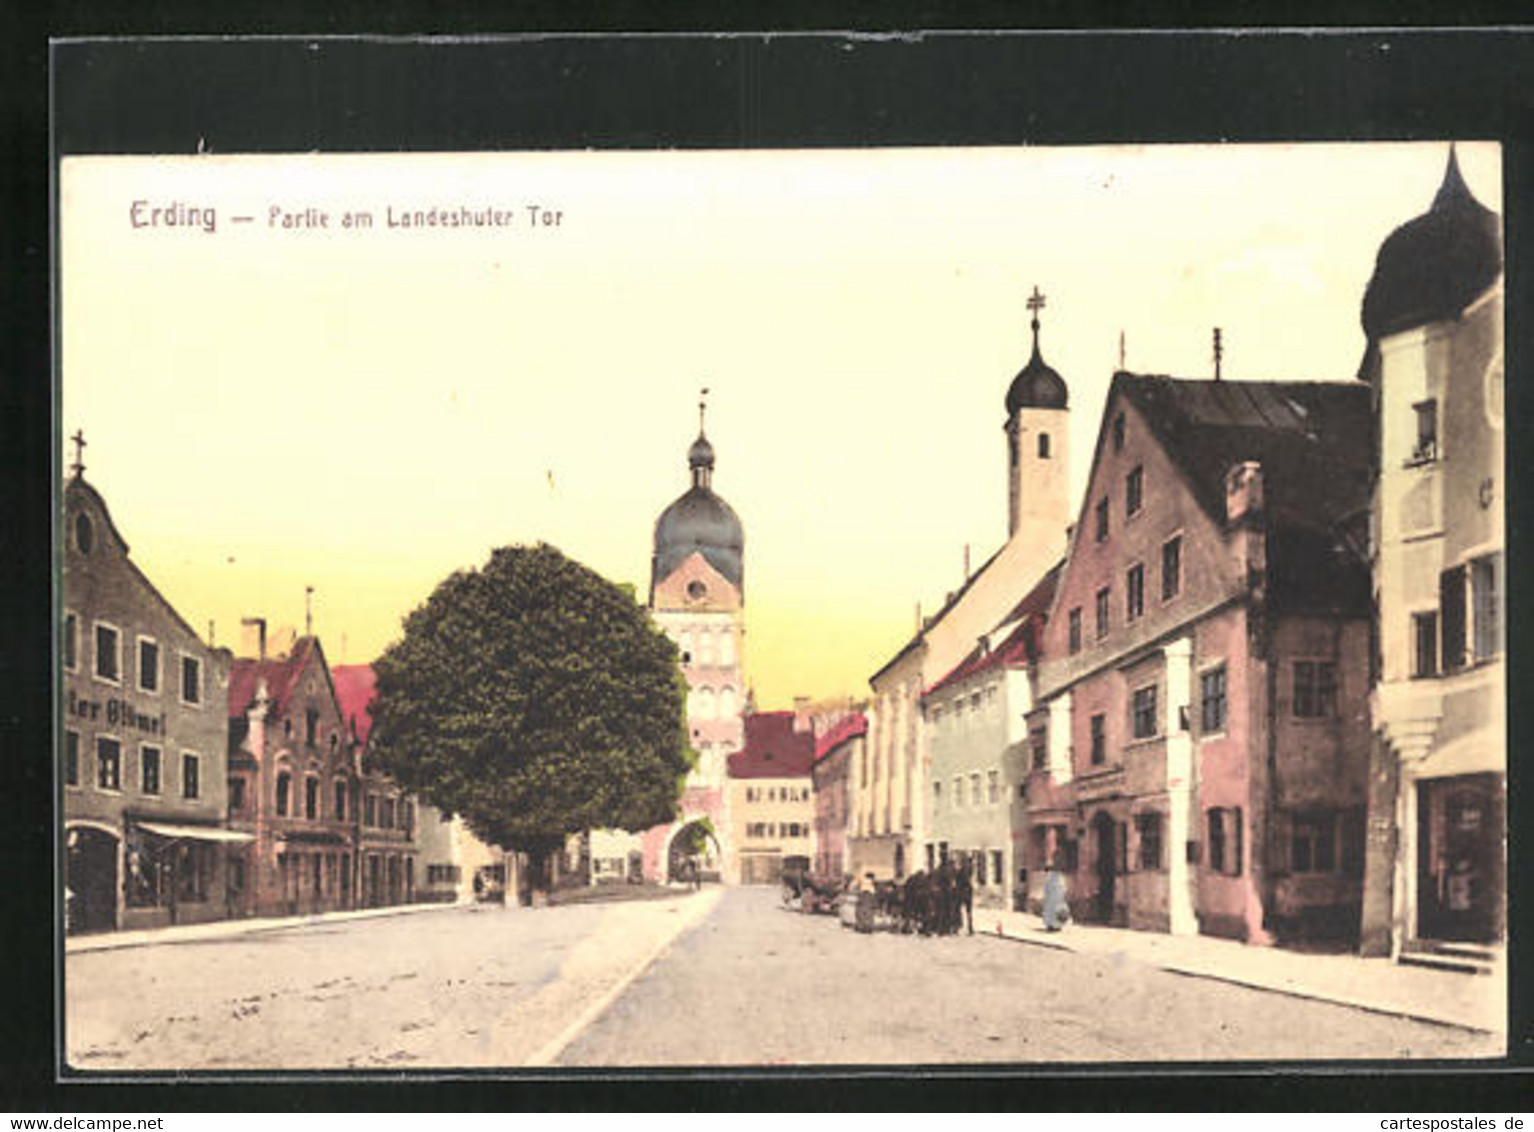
(702,405)
(79,442)
(1035,304)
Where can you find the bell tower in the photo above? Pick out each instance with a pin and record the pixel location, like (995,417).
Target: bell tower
(1038,444)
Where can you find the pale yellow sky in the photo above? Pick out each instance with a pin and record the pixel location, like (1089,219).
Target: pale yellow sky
(365,411)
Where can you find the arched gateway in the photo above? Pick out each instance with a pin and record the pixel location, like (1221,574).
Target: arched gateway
(694,841)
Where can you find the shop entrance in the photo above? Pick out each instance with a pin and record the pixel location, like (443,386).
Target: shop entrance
(1459,859)
(1103,844)
(91,877)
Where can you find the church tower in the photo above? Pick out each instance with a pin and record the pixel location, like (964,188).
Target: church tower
(1038,445)
(697,597)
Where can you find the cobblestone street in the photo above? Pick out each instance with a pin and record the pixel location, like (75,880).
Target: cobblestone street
(742,982)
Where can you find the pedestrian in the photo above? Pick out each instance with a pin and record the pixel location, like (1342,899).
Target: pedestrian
(947,908)
(1057,910)
(695,874)
(964,897)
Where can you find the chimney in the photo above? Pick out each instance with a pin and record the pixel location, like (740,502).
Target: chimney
(253,637)
(1243,491)
(801,714)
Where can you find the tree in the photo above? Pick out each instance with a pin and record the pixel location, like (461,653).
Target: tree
(536,699)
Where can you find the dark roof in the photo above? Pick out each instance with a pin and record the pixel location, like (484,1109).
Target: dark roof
(699,521)
(1312,439)
(1433,266)
(1021,645)
(1036,385)
(773,748)
(848,727)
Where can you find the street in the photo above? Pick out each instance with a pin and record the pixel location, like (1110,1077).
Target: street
(742,982)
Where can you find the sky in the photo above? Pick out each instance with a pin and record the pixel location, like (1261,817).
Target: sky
(272,404)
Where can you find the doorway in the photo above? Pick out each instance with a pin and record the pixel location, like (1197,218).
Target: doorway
(1104,845)
(91,877)
(1459,859)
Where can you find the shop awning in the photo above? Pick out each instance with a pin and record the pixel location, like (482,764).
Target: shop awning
(194,832)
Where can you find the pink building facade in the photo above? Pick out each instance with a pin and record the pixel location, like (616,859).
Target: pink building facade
(836,752)
(1200,740)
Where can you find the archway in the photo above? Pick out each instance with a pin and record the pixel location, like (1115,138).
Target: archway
(1103,844)
(694,841)
(91,877)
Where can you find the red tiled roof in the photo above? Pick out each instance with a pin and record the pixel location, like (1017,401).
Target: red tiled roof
(848,727)
(773,748)
(355,688)
(281,676)
(1021,644)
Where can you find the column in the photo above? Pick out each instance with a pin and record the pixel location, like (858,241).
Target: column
(1179,784)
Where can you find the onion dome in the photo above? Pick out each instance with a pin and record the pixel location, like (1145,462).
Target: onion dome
(1036,386)
(699,522)
(1432,267)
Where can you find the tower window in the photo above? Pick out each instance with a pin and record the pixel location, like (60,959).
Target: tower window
(1043,446)
(1425,449)
(696,589)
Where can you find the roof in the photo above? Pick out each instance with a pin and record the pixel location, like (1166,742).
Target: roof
(1021,645)
(773,748)
(928,622)
(1312,439)
(280,673)
(848,727)
(1037,385)
(356,686)
(1433,266)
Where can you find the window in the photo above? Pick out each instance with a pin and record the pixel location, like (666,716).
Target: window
(1313,845)
(108,763)
(191,680)
(1074,622)
(974,788)
(1148,828)
(1145,712)
(71,758)
(979,860)
(1315,689)
(1225,841)
(1043,446)
(108,662)
(1425,449)
(149,769)
(726,648)
(1451,613)
(1101,530)
(1211,686)
(993,786)
(1134,490)
(1425,640)
(1118,433)
(148,665)
(85,533)
(1097,725)
(958,791)
(1134,583)
(1171,568)
(236,795)
(340,800)
(71,642)
(311,798)
(996,868)
(284,786)
(1038,741)
(1484,575)
(191,767)
(937,795)
(386,813)
(1102,613)
(311,726)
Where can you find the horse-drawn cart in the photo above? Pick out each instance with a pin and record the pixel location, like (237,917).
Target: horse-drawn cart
(807,892)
